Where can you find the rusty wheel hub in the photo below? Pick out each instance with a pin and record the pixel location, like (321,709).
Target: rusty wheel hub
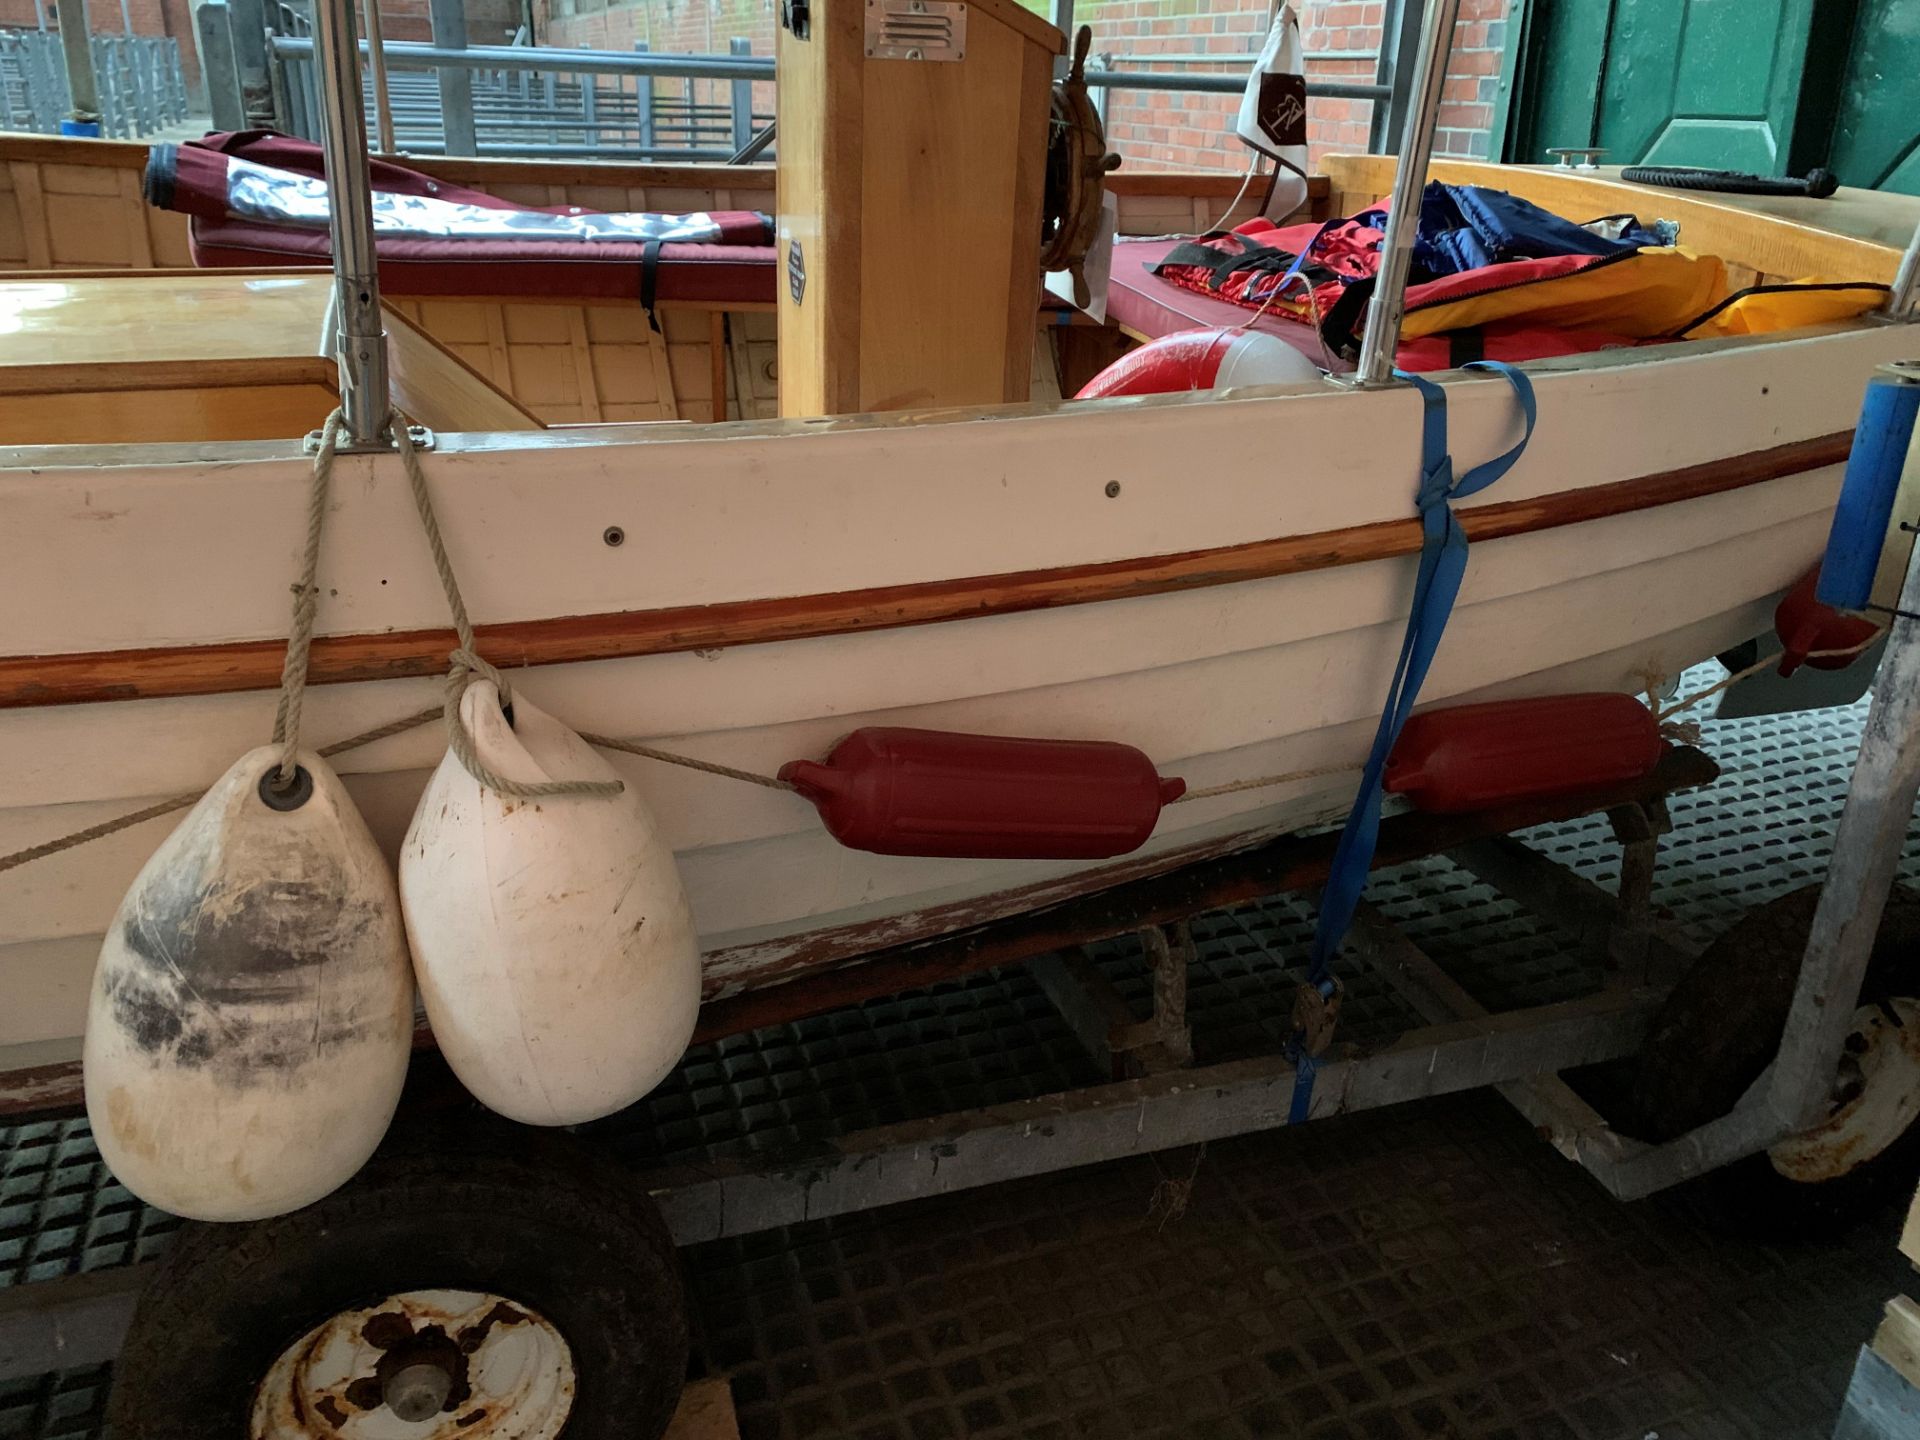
(425,1365)
(1876,1097)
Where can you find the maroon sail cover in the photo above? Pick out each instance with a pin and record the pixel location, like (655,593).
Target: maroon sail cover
(219,182)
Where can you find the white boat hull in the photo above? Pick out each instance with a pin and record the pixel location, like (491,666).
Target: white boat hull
(1216,682)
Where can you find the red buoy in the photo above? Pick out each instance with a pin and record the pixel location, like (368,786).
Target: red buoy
(1805,625)
(1474,757)
(1201,360)
(897,791)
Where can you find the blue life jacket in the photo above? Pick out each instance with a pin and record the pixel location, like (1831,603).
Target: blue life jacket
(1463,227)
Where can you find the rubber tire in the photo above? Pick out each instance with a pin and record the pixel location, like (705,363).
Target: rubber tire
(1715,1035)
(1818,184)
(524,1214)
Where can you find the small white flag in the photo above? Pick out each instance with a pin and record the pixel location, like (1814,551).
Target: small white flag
(1273,113)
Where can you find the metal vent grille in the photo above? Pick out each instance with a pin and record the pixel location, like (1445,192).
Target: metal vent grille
(916,30)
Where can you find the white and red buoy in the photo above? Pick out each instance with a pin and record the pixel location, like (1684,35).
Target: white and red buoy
(1210,359)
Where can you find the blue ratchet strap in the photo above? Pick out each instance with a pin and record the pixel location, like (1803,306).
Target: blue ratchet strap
(1443,564)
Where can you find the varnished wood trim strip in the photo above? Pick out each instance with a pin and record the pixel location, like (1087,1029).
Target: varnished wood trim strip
(106,154)
(255,664)
(118,375)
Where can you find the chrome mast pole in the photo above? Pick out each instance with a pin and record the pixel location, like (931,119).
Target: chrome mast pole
(1389,300)
(360,338)
(377,64)
(1905,293)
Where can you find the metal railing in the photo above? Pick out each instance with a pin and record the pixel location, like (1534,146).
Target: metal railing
(547,100)
(140,85)
(551,100)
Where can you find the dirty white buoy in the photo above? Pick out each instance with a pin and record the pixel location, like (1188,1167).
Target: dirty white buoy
(252,1011)
(551,937)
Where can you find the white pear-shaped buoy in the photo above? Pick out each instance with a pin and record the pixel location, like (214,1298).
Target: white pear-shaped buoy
(551,936)
(252,1011)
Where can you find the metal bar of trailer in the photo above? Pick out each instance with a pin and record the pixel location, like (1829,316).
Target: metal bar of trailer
(1866,853)
(715,1200)
(81,1320)
(48,1325)
(1389,299)
(1548,1103)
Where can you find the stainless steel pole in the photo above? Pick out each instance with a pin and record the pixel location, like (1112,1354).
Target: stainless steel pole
(377,64)
(361,340)
(1866,854)
(1389,300)
(1906,282)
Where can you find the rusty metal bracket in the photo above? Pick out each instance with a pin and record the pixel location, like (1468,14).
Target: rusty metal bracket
(1121,1043)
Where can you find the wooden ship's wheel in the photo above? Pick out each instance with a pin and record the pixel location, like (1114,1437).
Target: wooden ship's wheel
(1078,162)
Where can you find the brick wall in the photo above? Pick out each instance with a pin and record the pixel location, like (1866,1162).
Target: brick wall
(1154,129)
(673,27)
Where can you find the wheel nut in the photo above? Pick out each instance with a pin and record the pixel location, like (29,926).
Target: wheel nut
(417,1392)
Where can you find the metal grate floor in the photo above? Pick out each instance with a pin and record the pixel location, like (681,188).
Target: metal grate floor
(1431,1270)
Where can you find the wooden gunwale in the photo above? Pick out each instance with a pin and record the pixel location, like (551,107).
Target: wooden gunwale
(160,672)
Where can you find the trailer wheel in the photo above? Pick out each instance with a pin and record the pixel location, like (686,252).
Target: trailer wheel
(1721,1027)
(504,1284)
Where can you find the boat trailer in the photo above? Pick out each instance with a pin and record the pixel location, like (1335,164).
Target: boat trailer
(1157,1099)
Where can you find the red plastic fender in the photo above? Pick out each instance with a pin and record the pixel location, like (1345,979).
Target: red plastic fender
(1804,625)
(1475,757)
(1201,360)
(897,791)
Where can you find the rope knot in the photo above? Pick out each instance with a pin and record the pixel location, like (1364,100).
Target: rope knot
(467,665)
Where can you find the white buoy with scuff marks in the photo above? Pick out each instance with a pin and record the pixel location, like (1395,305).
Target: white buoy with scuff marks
(551,936)
(252,1011)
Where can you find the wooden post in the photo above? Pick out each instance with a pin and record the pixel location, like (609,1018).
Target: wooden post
(909,193)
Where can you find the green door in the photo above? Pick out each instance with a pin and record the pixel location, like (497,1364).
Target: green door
(1704,82)
(1770,86)
(1876,130)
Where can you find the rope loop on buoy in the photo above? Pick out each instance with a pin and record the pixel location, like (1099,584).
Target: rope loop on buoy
(464,663)
(306,604)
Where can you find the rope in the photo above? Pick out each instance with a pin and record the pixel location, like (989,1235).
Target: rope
(686,762)
(306,604)
(181,802)
(466,664)
(1260,782)
(1754,669)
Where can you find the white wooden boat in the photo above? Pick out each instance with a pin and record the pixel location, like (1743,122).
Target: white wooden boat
(1220,580)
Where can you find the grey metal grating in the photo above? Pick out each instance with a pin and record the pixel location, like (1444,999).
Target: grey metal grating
(1376,1297)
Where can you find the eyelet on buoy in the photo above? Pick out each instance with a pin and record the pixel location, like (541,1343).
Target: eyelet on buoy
(291,796)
